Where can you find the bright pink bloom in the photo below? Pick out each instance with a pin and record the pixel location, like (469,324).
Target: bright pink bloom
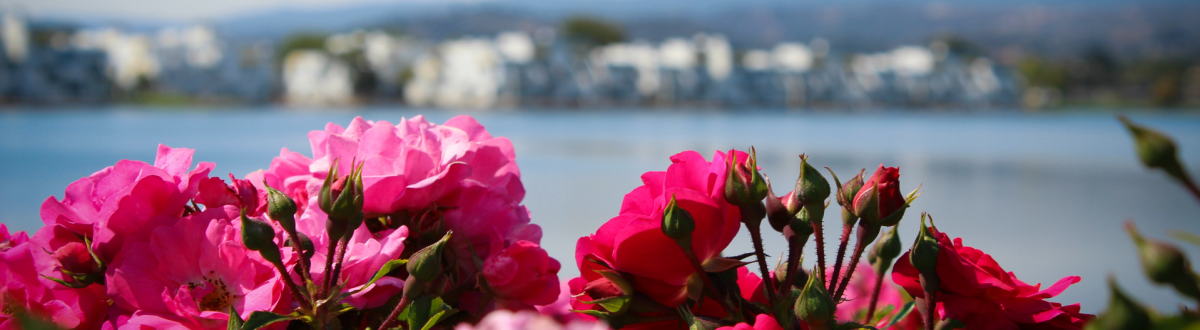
(213,192)
(975,290)
(417,172)
(761,322)
(561,308)
(116,202)
(633,242)
(751,286)
(522,274)
(858,295)
(527,320)
(189,272)
(22,289)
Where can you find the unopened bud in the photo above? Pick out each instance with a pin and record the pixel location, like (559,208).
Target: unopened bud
(75,258)
(1164,263)
(1122,313)
(781,273)
(258,236)
(1157,150)
(888,248)
(814,307)
(744,185)
(802,225)
(778,214)
(678,224)
(850,189)
(342,197)
(924,255)
(811,188)
(426,264)
(281,208)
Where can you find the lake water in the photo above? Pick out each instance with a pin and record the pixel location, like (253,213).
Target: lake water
(1044,194)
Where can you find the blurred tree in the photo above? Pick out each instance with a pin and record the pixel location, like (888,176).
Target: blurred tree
(303,40)
(1100,68)
(592,30)
(1042,73)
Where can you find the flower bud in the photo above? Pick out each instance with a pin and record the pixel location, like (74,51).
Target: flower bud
(778,212)
(426,264)
(744,185)
(781,272)
(246,193)
(1164,263)
(879,199)
(850,189)
(1157,150)
(924,255)
(282,209)
(678,224)
(814,307)
(1122,312)
(342,197)
(802,225)
(811,188)
(258,236)
(75,258)
(889,247)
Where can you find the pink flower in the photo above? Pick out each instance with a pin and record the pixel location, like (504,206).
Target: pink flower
(751,286)
(975,290)
(522,274)
(213,192)
(527,320)
(858,295)
(189,272)
(418,173)
(116,202)
(23,290)
(761,322)
(633,242)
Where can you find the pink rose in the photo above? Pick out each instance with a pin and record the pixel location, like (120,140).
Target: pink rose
(633,242)
(522,274)
(761,322)
(858,296)
(23,289)
(976,291)
(116,202)
(421,175)
(886,181)
(189,272)
(527,320)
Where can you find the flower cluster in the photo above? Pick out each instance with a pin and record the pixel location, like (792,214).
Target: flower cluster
(689,214)
(420,226)
(384,223)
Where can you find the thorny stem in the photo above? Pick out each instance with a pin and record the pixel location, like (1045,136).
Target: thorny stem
(287,279)
(1191,186)
(841,254)
(300,251)
(390,321)
(343,245)
(795,245)
(820,245)
(880,269)
(756,237)
(930,304)
(866,234)
(328,269)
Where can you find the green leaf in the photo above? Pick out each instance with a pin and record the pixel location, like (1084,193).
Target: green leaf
(387,268)
(616,304)
(883,312)
(433,320)
(853,326)
(235,320)
(592,312)
(901,314)
(259,319)
(418,312)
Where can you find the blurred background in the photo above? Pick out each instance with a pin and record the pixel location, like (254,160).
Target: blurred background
(1002,109)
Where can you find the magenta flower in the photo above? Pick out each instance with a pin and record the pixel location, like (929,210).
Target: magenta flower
(116,202)
(522,275)
(761,322)
(417,172)
(22,290)
(187,273)
(858,295)
(633,242)
(527,320)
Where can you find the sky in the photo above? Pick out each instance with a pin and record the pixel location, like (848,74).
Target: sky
(175,10)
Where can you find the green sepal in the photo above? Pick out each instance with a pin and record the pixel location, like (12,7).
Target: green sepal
(908,308)
(383,271)
(235,320)
(260,319)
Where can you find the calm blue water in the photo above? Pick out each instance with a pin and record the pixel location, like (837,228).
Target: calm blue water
(1044,194)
